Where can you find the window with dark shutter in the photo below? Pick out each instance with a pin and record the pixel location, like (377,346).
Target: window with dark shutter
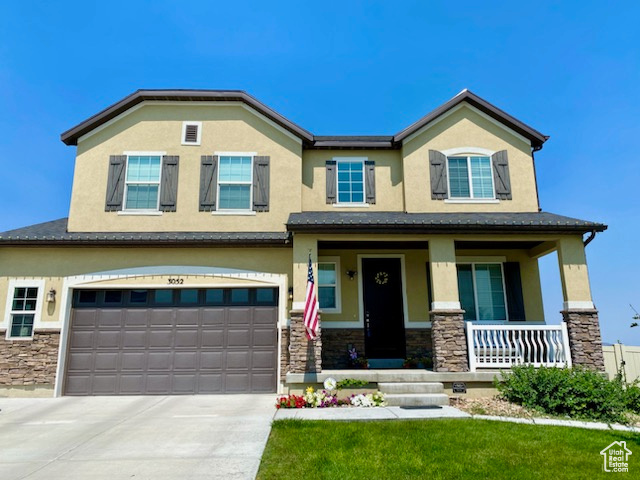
(438,173)
(115,183)
(500,162)
(208,182)
(169,186)
(370,181)
(331,181)
(261,184)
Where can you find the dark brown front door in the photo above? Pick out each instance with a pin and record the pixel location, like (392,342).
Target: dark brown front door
(383,308)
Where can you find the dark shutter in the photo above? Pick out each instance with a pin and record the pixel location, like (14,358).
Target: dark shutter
(331,181)
(115,183)
(261,184)
(191,133)
(500,162)
(438,173)
(208,182)
(370,180)
(513,284)
(169,187)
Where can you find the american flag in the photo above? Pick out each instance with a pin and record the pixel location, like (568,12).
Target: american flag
(311,306)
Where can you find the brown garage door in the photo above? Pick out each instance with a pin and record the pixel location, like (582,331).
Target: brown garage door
(172,341)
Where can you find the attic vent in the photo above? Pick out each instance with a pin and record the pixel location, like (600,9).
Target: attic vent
(191,132)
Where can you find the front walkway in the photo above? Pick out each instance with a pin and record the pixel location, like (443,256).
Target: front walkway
(151,437)
(373,413)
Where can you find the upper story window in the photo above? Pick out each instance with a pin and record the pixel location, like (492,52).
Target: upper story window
(482,291)
(470,177)
(350,180)
(234,182)
(142,182)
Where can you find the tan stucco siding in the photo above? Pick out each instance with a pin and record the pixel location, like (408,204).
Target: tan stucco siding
(53,264)
(388,179)
(467,128)
(158,128)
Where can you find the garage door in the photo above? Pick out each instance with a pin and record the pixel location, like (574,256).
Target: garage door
(172,341)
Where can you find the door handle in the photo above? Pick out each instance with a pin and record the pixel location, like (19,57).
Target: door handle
(367,324)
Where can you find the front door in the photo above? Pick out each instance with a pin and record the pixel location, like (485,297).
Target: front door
(383,308)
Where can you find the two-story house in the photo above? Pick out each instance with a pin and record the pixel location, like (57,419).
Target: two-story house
(182,266)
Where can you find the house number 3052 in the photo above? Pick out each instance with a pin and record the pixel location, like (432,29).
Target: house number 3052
(176,281)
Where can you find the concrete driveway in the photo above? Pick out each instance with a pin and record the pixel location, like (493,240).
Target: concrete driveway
(176,437)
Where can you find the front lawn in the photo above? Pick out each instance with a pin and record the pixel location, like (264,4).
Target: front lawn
(437,449)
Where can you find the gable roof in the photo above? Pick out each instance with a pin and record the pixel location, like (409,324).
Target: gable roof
(71,136)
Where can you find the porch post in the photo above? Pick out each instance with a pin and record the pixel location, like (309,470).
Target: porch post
(447,323)
(578,310)
(304,355)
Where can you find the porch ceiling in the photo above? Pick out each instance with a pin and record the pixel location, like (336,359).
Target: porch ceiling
(427,223)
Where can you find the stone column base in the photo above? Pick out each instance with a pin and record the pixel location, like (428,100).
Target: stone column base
(585,341)
(305,356)
(449,341)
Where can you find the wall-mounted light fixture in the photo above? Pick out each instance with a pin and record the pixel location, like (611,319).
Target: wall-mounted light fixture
(351,274)
(290,293)
(51,296)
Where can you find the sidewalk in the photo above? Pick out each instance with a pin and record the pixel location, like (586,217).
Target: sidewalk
(374,413)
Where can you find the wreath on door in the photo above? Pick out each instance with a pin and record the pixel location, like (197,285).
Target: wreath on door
(382,278)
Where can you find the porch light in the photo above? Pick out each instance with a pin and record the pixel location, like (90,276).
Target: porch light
(51,296)
(290,293)
(351,274)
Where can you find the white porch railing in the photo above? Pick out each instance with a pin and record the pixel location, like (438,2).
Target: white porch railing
(502,346)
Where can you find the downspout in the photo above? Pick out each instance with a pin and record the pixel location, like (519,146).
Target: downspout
(535,177)
(590,238)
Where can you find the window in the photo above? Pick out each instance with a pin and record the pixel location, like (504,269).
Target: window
(142,182)
(470,177)
(23,312)
(350,180)
(328,284)
(234,182)
(191,133)
(482,293)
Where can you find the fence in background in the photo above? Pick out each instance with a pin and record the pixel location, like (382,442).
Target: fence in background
(614,355)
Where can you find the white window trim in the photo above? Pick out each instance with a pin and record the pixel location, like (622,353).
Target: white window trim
(471,198)
(37,314)
(364,183)
(184,132)
(141,211)
(475,291)
(338,286)
(232,211)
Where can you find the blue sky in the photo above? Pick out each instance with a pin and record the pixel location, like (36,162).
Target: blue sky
(569,69)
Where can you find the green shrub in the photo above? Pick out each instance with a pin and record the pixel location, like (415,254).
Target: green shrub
(574,392)
(351,383)
(632,397)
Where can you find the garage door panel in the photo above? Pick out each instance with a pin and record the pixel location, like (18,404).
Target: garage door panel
(139,349)
(136,318)
(162,317)
(188,317)
(212,338)
(263,359)
(82,339)
(133,361)
(132,384)
(211,360)
(238,338)
(185,361)
(264,337)
(211,316)
(106,362)
(161,339)
(109,318)
(186,338)
(108,339)
(80,361)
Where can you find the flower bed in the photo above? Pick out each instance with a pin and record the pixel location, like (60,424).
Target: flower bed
(328,398)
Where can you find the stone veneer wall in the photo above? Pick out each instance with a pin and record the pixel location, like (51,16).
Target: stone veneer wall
(304,355)
(585,341)
(418,340)
(449,341)
(29,362)
(335,342)
(284,353)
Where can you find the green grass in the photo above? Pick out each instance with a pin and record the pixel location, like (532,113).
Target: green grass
(438,449)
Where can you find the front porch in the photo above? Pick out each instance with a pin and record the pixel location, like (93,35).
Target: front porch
(470,299)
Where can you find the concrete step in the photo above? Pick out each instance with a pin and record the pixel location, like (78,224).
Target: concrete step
(411,387)
(417,399)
